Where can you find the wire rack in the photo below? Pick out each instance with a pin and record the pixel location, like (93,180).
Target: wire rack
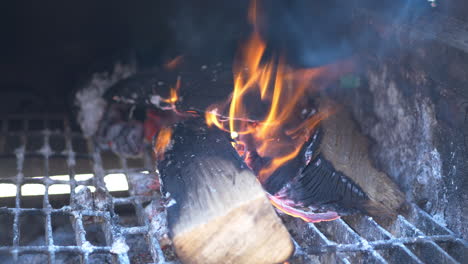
(51,145)
(51,140)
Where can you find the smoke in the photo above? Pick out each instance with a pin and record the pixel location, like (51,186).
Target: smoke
(207,29)
(88,99)
(314,33)
(308,33)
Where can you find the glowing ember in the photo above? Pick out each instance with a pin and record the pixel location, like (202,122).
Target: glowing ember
(170,102)
(289,207)
(173,97)
(268,114)
(174,63)
(280,134)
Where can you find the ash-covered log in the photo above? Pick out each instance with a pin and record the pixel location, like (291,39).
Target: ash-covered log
(221,213)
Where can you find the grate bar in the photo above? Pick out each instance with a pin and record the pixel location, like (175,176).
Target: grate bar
(46,249)
(156,249)
(413,238)
(111,228)
(382,239)
(431,246)
(19,152)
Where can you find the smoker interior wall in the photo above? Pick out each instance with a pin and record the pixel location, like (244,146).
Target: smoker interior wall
(49,49)
(413,102)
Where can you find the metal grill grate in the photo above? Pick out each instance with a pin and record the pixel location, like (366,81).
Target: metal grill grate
(50,145)
(20,140)
(355,239)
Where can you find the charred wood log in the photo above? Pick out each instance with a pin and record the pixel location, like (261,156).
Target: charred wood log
(343,173)
(119,132)
(200,86)
(221,213)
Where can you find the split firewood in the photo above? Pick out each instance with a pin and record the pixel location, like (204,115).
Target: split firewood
(220,212)
(344,144)
(341,171)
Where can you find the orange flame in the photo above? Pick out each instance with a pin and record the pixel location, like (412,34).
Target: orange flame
(174,63)
(162,142)
(173,96)
(281,132)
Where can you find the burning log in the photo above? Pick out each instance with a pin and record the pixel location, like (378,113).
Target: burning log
(220,212)
(342,172)
(353,160)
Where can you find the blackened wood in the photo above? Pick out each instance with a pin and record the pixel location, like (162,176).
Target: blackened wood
(347,150)
(221,214)
(200,86)
(341,175)
(319,184)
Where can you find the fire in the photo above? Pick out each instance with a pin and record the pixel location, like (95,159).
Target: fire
(173,95)
(279,132)
(174,63)
(162,142)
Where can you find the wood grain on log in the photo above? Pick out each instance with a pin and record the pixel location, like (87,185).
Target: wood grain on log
(348,150)
(221,214)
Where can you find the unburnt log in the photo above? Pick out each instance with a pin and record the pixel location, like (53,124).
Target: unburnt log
(221,213)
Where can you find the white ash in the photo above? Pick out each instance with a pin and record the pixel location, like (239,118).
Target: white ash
(404,130)
(156,212)
(87,247)
(440,219)
(156,100)
(83,197)
(71,157)
(19,153)
(119,246)
(102,199)
(170,202)
(89,98)
(142,183)
(160,231)
(159,228)
(46,150)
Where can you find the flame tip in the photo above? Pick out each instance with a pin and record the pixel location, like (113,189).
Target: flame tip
(280,135)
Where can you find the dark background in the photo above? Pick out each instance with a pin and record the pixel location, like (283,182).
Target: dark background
(49,48)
